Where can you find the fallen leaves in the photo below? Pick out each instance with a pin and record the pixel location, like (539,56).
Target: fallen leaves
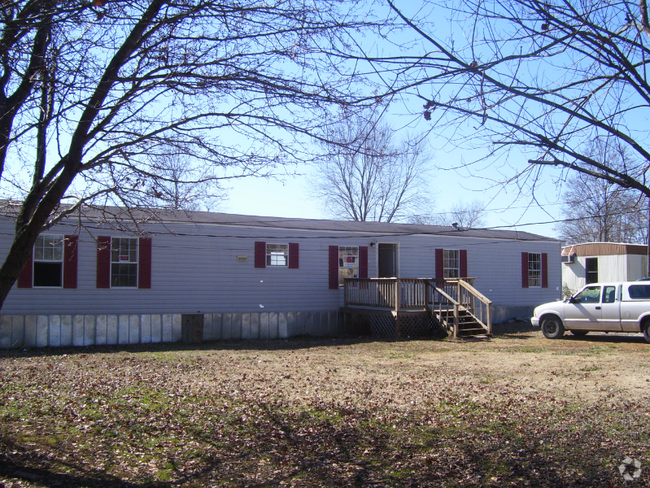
(309,414)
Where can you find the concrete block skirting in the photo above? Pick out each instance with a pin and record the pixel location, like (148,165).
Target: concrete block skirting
(21,331)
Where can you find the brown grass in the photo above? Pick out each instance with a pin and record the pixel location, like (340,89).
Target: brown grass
(517,410)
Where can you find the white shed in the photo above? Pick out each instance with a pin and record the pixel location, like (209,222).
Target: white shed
(602,261)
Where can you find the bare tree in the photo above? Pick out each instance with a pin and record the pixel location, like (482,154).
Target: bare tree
(368,175)
(596,210)
(90,91)
(462,215)
(538,80)
(468,215)
(181,184)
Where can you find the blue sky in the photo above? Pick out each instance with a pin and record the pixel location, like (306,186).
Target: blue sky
(289,197)
(510,207)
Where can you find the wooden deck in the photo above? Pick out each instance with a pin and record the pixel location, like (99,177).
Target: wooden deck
(454,304)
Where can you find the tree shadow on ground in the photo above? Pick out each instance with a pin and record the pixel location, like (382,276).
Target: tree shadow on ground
(294,343)
(20,471)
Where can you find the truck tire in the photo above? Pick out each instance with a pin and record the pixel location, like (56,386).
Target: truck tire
(646,330)
(552,327)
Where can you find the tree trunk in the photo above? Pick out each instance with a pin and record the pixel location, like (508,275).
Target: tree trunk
(29,225)
(16,260)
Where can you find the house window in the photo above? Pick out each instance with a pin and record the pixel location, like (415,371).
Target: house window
(277,254)
(286,255)
(348,263)
(451,263)
(48,261)
(534,270)
(124,262)
(591,265)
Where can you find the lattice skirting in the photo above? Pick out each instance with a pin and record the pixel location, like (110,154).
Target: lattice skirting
(404,325)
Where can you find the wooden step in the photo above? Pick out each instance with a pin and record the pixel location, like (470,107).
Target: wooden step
(469,332)
(472,332)
(469,324)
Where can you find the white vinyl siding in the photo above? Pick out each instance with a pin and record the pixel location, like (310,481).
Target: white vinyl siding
(204,268)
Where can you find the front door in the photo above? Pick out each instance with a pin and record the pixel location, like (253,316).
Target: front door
(387,260)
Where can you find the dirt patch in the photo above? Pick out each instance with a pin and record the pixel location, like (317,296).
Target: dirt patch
(516,410)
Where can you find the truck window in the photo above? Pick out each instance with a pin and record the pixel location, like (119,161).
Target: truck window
(639,292)
(609,294)
(590,294)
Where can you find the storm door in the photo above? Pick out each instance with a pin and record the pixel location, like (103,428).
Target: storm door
(387,260)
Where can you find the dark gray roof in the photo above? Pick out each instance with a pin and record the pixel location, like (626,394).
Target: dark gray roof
(380,228)
(108,214)
(370,228)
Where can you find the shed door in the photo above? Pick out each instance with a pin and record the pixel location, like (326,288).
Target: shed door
(388,260)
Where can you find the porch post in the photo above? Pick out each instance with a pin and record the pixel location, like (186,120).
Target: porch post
(489,319)
(397,294)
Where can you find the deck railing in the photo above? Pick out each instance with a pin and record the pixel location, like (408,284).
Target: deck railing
(447,299)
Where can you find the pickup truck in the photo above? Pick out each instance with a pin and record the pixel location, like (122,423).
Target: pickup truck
(603,307)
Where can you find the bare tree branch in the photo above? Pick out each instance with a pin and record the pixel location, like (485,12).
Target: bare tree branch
(94,95)
(367,175)
(538,81)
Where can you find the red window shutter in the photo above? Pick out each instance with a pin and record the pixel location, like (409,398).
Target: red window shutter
(103,262)
(70,258)
(544,270)
(144,262)
(524,270)
(440,269)
(260,254)
(25,276)
(463,263)
(363,262)
(334,267)
(294,255)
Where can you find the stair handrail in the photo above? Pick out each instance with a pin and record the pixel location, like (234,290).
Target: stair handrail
(487,325)
(387,293)
(450,300)
(485,322)
(474,292)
